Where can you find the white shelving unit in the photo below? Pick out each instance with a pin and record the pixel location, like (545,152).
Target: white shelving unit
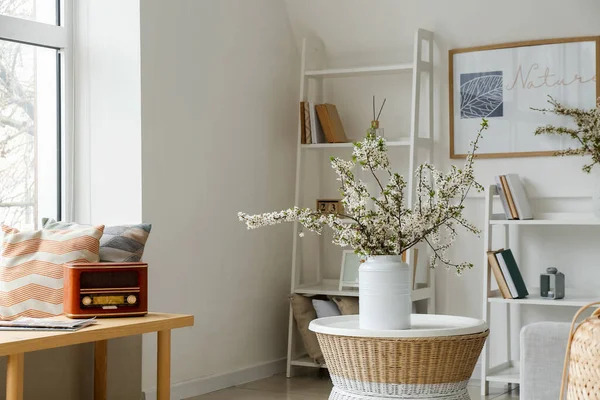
(508,371)
(306,361)
(327,287)
(415,140)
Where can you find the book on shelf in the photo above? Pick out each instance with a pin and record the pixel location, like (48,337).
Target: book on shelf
(320,123)
(519,196)
(497,271)
(513,197)
(503,198)
(306,131)
(509,274)
(316,130)
(512,209)
(331,123)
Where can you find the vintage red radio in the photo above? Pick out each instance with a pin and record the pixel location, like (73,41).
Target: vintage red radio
(105,289)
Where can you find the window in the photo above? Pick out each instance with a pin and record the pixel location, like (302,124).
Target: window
(34,10)
(34,61)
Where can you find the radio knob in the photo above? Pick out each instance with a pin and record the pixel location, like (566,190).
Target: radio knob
(131,299)
(86,301)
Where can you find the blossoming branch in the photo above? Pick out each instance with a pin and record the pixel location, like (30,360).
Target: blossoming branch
(382,224)
(587,132)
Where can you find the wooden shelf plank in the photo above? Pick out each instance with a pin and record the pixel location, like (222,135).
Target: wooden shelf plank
(572,299)
(359,71)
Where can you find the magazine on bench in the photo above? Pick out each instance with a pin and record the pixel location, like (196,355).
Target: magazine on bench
(45,324)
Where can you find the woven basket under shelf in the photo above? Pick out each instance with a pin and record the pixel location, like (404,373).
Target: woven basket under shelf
(402,367)
(338,394)
(582,360)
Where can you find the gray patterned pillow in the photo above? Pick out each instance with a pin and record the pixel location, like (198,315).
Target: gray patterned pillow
(124,243)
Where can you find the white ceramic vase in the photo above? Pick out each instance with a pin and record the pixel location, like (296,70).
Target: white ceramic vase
(384,293)
(596,192)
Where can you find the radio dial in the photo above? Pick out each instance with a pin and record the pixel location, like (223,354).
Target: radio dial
(86,301)
(131,299)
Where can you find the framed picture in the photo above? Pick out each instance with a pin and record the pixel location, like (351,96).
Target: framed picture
(349,272)
(503,82)
(330,206)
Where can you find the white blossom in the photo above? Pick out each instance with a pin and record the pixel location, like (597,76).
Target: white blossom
(382,224)
(586,133)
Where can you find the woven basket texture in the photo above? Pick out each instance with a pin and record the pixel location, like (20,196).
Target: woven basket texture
(419,361)
(337,394)
(584,363)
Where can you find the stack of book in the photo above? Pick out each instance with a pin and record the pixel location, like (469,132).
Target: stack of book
(508,276)
(320,123)
(514,199)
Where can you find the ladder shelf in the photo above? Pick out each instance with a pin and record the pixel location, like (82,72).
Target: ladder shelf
(419,148)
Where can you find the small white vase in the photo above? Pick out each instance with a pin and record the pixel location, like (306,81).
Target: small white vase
(384,293)
(596,192)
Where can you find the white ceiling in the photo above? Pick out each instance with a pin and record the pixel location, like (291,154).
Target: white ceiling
(377,26)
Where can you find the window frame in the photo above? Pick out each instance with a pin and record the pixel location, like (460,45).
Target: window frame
(60,38)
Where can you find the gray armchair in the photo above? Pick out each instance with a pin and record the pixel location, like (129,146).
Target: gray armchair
(543,347)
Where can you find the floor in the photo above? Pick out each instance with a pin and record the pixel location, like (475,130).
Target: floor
(278,387)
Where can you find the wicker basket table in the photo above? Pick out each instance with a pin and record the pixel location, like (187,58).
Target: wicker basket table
(432,360)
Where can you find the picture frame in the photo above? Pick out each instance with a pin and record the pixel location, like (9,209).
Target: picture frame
(330,206)
(349,270)
(503,82)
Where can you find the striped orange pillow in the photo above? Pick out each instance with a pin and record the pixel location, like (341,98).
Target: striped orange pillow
(31,268)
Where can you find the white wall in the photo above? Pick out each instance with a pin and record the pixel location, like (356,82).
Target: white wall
(219,107)
(357,32)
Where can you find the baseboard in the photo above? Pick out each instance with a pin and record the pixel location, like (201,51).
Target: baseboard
(196,387)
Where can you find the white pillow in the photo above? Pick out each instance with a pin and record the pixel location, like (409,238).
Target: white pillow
(326,308)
